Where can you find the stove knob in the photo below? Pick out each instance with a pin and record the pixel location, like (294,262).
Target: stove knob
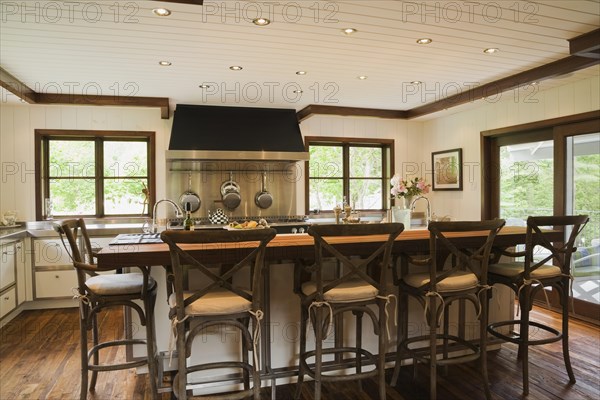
(294,230)
(301,230)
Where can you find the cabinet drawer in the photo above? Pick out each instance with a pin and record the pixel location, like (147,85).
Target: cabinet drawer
(7,265)
(53,284)
(8,302)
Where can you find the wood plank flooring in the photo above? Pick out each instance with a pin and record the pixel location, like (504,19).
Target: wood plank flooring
(39,359)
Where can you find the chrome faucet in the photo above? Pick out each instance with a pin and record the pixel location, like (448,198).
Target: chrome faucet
(428,215)
(178,212)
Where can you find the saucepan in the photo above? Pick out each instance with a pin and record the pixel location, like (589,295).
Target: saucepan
(263,199)
(190,196)
(230,193)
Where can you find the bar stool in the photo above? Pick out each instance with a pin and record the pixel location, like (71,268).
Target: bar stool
(436,289)
(549,267)
(220,302)
(98,292)
(361,284)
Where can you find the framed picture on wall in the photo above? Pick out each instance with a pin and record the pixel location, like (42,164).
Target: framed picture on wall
(447,169)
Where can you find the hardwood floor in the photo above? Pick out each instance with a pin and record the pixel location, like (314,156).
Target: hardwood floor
(39,359)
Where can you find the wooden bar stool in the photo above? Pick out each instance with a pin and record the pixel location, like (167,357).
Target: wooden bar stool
(325,299)
(221,302)
(436,289)
(98,292)
(545,264)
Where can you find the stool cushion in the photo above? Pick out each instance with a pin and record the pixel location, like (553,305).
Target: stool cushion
(352,290)
(511,270)
(118,284)
(457,281)
(217,302)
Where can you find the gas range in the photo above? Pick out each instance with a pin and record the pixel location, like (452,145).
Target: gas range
(282,224)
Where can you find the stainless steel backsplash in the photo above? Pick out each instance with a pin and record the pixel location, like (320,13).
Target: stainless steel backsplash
(207,177)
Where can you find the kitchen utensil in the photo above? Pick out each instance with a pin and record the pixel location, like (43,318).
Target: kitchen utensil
(263,199)
(190,196)
(230,193)
(218,217)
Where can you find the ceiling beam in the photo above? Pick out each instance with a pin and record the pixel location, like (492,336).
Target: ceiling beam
(586,45)
(313,109)
(16,87)
(119,101)
(196,2)
(560,67)
(563,66)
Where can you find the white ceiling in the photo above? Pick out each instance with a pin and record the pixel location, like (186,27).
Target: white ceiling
(67,50)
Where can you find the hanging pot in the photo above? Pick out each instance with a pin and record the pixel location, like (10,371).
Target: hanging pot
(263,199)
(230,193)
(190,197)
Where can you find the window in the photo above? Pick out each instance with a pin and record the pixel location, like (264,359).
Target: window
(94,173)
(356,170)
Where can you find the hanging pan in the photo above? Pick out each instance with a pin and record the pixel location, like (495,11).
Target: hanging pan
(263,199)
(230,193)
(190,197)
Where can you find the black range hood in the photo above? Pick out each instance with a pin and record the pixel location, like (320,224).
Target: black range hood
(235,133)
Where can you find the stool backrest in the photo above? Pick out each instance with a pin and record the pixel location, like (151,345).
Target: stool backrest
(243,248)
(327,244)
(558,253)
(473,257)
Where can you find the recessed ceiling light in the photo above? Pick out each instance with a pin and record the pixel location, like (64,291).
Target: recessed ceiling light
(362,77)
(261,21)
(203,86)
(298,91)
(424,41)
(161,12)
(534,83)
(22,101)
(349,31)
(416,82)
(491,50)
(165,63)
(300,72)
(236,68)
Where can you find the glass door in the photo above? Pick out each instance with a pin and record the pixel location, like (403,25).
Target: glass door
(583,197)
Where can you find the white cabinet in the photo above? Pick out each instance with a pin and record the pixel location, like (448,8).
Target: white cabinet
(7,266)
(54,275)
(8,301)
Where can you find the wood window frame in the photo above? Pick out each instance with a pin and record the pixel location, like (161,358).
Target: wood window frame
(387,146)
(42,136)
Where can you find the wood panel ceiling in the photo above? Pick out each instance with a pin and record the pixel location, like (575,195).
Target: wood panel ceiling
(97,47)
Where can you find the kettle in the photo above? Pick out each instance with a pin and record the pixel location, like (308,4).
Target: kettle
(217,217)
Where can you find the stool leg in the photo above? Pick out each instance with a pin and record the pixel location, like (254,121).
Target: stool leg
(359,316)
(565,328)
(96,356)
(402,314)
(151,345)
(483,322)
(382,347)
(432,348)
(524,336)
(318,350)
(83,345)
(303,327)
(181,362)
(245,350)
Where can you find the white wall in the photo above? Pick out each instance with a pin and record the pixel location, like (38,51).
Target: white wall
(462,129)
(415,140)
(17,125)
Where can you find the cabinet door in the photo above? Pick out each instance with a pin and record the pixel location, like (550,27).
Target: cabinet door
(21,265)
(7,265)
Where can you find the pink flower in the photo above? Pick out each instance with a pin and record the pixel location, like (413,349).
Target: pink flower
(404,188)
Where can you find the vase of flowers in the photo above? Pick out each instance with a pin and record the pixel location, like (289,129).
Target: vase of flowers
(404,191)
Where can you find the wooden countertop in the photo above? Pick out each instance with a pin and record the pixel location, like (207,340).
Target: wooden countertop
(291,247)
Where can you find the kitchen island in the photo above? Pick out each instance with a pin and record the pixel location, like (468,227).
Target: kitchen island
(282,316)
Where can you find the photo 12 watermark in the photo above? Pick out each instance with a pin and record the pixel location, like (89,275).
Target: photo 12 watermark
(60,12)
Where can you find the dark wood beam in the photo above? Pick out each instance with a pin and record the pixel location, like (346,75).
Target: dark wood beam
(556,68)
(16,87)
(586,45)
(349,111)
(196,2)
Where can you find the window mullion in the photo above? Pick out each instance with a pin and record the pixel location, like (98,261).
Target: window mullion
(99,176)
(346,171)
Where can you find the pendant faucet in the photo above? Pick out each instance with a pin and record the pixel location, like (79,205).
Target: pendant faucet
(178,212)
